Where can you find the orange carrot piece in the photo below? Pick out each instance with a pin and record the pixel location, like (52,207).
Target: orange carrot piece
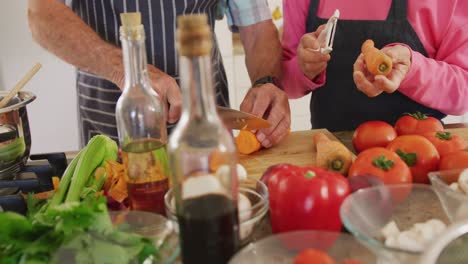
(332,155)
(55,182)
(216,160)
(247,142)
(377,62)
(41,195)
(119,191)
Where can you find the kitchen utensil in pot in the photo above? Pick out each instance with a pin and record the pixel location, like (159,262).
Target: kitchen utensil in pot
(6,99)
(15,136)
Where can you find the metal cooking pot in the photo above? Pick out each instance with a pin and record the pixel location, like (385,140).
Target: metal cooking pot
(15,136)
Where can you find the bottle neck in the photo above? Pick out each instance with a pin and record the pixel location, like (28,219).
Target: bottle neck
(135,62)
(197,87)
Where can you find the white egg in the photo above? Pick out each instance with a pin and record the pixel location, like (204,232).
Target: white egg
(199,185)
(244,205)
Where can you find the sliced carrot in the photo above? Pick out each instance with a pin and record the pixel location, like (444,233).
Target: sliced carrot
(216,160)
(41,195)
(377,62)
(247,142)
(119,191)
(332,155)
(55,182)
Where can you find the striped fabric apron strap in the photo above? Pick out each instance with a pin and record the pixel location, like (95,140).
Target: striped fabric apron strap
(97,97)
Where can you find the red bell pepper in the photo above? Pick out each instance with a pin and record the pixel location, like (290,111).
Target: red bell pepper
(305,198)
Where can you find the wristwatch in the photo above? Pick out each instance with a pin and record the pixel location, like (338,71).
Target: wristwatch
(268,79)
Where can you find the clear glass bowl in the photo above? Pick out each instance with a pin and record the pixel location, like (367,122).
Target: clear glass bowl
(155,227)
(257,193)
(454,203)
(283,248)
(365,213)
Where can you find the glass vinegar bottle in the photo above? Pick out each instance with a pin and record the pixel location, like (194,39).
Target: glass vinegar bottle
(202,155)
(141,124)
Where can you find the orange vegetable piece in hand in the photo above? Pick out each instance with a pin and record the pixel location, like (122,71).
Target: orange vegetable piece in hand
(377,62)
(247,142)
(313,256)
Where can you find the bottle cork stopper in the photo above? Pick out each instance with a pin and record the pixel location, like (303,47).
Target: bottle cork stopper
(131,24)
(194,35)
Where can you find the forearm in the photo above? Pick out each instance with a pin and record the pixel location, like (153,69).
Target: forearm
(437,84)
(262,50)
(56,28)
(295,83)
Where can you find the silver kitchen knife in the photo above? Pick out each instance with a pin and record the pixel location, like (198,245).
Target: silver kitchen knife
(235,119)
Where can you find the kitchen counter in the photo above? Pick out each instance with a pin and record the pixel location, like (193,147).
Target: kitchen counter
(264,228)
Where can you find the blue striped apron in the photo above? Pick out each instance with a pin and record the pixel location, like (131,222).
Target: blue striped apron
(97,97)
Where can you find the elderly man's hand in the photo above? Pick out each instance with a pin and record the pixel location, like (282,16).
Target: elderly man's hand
(167,88)
(271,103)
(374,85)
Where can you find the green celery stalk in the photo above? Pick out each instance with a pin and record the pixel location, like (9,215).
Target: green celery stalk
(90,159)
(64,184)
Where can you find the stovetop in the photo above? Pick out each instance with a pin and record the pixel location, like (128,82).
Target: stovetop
(34,177)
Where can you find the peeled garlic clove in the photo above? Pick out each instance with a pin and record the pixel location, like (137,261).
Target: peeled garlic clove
(454,186)
(410,241)
(463,181)
(391,229)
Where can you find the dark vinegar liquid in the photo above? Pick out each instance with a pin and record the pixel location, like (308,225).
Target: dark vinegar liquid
(147,171)
(208,229)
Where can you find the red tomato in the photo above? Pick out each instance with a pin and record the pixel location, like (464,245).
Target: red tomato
(373,134)
(418,123)
(305,198)
(382,163)
(313,256)
(445,142)
(418,153)
(454,160)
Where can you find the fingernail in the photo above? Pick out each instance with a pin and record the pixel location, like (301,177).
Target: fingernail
(260,137)
(266,143)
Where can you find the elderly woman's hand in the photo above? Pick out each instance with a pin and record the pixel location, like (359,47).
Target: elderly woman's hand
(373,85)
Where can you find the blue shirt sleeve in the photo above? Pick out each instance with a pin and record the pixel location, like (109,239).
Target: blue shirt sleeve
(243,12)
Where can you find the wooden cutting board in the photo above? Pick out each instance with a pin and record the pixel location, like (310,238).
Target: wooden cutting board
(298,149)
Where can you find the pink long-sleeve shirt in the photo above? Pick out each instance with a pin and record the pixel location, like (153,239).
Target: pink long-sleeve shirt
(439,82)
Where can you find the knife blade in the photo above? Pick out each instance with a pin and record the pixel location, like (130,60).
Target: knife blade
(235,119)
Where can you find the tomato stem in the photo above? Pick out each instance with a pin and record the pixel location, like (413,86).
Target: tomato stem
(418,115)
(444,135)
(409,158)
(383,163)
(310,175)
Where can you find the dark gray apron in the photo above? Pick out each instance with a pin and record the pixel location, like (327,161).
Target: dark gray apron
(339,105)
(97,97)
